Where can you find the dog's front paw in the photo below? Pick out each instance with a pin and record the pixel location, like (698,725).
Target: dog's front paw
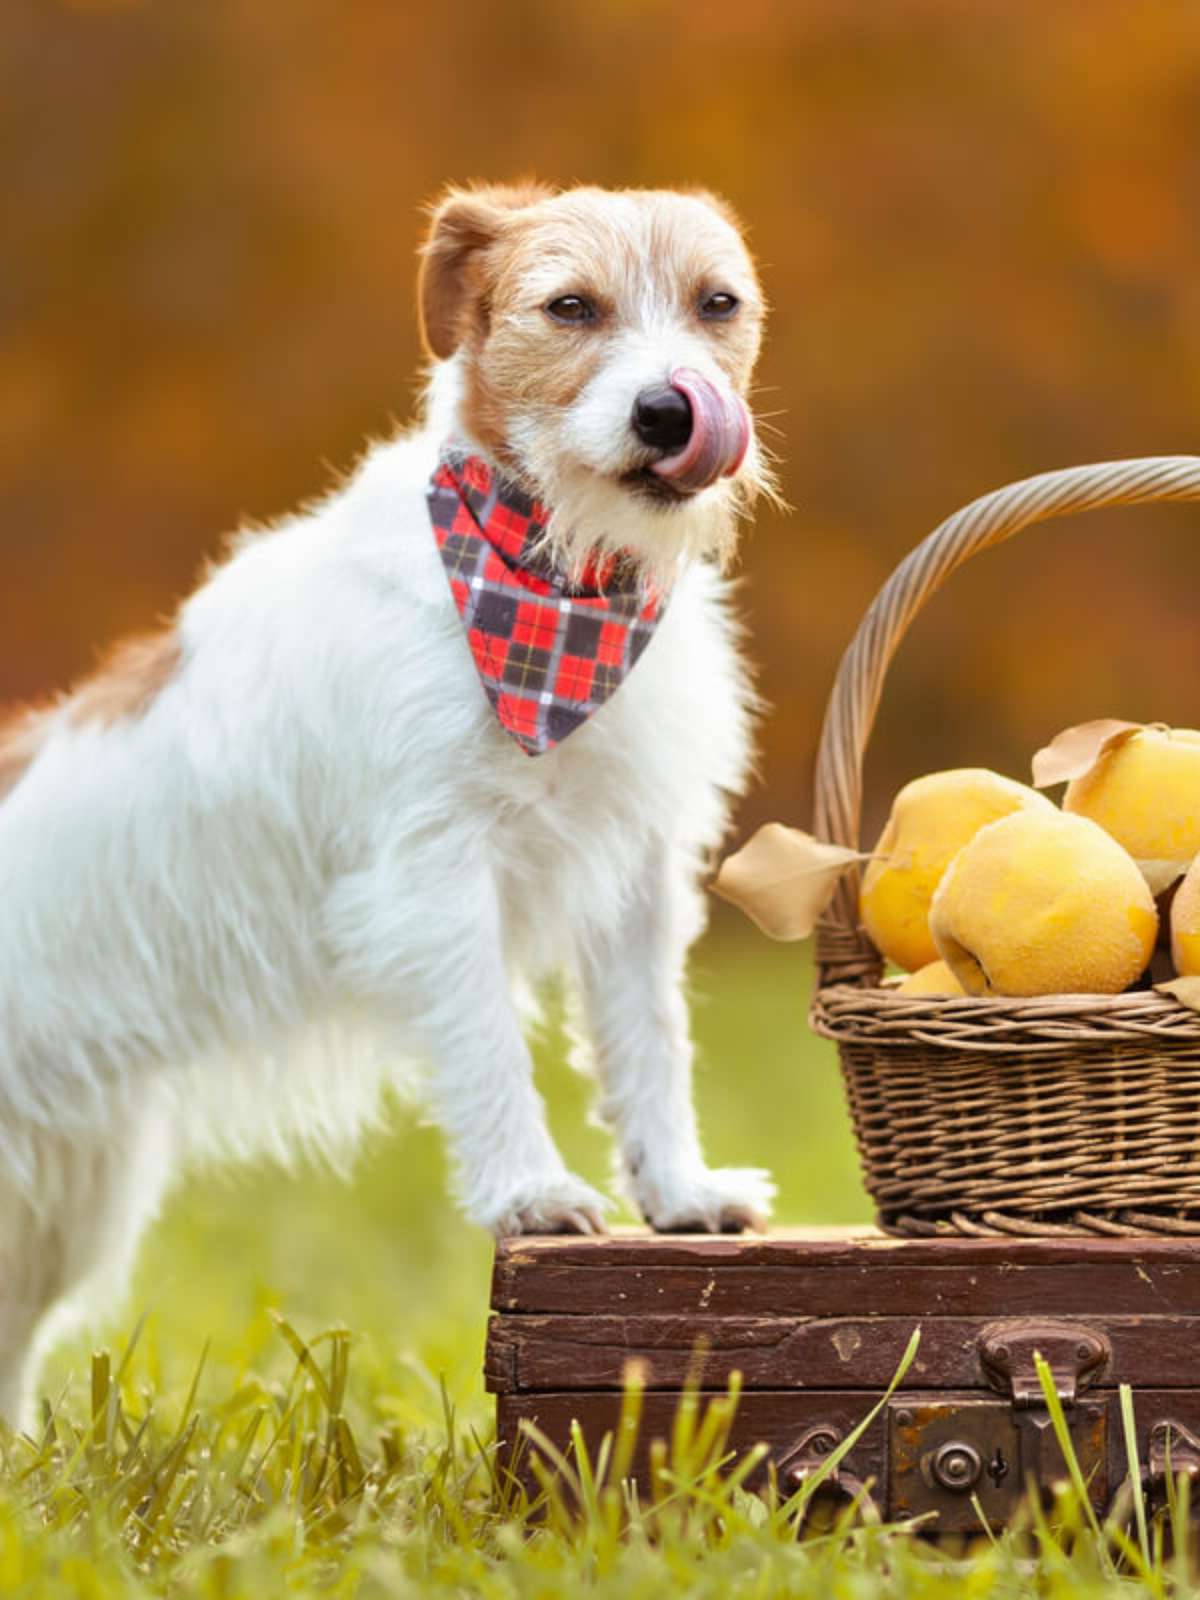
(707,1200)
(556,1205)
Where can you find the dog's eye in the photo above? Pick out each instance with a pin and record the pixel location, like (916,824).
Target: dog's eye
(572,308)
(718,307)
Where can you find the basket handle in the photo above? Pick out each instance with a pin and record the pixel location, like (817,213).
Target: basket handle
(844,952)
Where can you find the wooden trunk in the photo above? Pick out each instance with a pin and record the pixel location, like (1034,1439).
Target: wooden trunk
(816,1323)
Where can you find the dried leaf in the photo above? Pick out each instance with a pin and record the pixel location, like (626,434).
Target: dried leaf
(783,879)
(1185,990)
(1160,875)
(1076,750)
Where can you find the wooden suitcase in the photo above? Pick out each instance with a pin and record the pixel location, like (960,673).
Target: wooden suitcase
(817,1322)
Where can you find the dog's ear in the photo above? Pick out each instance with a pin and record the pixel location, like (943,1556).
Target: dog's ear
(464,222)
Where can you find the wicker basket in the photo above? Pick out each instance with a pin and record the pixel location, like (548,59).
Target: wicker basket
(1066,1114)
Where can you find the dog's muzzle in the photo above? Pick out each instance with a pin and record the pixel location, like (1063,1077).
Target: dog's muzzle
(703,432)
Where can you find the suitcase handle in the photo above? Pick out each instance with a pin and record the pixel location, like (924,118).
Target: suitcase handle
(808,1456)
(1170,1448)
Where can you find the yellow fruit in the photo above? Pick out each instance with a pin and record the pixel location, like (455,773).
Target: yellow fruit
(1146,793)
(1043,903)
(932,818)
(1185,923)
(935,978)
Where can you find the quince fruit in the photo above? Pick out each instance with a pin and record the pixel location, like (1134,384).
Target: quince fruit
(1145,792)
(1185,924)
(932,818)
(935,978)
(1044,903)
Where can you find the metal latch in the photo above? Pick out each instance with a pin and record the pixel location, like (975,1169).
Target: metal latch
(946,1453)
(1074,1355)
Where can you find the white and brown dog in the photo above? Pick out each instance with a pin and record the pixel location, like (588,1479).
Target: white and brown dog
(474,719)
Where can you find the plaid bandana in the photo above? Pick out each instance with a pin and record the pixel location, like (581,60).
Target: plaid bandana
(549,652)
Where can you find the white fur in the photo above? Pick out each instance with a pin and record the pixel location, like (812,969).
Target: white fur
(316,862)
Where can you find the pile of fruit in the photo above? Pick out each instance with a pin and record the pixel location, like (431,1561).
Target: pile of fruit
(983,886)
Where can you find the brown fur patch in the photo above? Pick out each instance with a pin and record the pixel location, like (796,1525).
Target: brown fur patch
(464,223)
(126,684)
(21,737)
(128,681)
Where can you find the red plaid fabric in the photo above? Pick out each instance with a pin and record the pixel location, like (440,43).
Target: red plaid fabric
(549,652)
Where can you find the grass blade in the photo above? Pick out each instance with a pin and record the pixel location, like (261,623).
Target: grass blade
(1129,1426)
(1066,1445)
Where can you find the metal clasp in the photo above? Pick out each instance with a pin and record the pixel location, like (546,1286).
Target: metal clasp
(1075,1355)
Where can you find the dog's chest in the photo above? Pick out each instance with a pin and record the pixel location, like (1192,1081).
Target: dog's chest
(570,830)
(664,732)
(575,833)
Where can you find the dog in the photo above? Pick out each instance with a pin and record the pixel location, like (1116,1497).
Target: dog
(475,718)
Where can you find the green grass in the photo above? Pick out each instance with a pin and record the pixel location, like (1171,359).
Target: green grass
(230,1447)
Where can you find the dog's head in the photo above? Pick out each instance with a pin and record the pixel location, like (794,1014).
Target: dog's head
(603,345)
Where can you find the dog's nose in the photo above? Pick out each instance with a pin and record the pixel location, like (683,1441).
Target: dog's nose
(662,418)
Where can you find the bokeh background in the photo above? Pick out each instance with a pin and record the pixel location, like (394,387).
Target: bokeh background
(979,227)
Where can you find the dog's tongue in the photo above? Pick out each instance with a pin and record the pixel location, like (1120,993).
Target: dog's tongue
(719,440)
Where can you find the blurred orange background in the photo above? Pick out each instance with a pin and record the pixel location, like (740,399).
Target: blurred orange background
(978,223)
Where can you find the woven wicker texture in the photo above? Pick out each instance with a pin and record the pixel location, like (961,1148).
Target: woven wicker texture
(1060,1114)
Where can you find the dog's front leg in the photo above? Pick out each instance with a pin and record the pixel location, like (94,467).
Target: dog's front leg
(632,989)
(511,1177)
(434,967)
